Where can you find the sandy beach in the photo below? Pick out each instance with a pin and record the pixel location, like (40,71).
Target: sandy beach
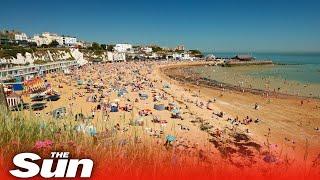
(202,119)
(292,125)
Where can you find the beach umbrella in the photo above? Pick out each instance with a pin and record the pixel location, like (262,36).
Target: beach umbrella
(175,111)
(91,130)
(159,107)
(170,138)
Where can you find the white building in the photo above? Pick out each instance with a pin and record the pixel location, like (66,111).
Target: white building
(146,49)
(20,37)
(52,36)
(180,48)
(123,48)
(39,40)
(69,41)
(181,56)
(47,38)
(116,56)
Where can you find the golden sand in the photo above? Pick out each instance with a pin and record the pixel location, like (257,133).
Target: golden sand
(291,124)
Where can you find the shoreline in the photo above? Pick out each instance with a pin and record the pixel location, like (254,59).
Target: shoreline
(283,115)
(171,71)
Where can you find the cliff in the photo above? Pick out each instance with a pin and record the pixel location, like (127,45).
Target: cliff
(39,56)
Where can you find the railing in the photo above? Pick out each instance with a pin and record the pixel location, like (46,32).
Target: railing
(31,69)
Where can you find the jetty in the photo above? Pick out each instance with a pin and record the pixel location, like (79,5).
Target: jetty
(241,60)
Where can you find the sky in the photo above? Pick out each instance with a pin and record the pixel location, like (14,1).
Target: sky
(211,26)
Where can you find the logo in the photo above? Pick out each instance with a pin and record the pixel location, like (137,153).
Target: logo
(65,167)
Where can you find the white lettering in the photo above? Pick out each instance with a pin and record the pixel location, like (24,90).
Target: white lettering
(73,167)
(47,166)
(20,161)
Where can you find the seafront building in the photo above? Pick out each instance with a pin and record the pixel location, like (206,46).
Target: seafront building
(20,36)
(123,48)
(116,56)
(180,48)
(30,71)
(46,38)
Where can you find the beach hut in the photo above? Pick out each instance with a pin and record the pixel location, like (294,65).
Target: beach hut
(13,100)
(159,107)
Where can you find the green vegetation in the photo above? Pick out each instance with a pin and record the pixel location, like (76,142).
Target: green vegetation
(11,52)
(54,43)
(196,53)
(95,46)
(179,51)
(156,48)
(103,46)
(110,47)
(39,61)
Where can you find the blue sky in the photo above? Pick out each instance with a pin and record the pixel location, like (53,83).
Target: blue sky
(229,25)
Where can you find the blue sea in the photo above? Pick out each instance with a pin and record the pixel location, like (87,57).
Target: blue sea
(302,67)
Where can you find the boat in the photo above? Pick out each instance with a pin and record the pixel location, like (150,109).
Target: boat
(20,107)
(54,97)
(38,97)
(38,106)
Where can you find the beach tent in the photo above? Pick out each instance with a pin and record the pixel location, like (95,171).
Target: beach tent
(170,138)
(122,92)
(137,122)
(79,128)
(90,82)
(79,116)
(114,107)
(91,130)
(143,96)
(166,85)
(172,105)
(79,82)
(175,113)
(59,112)
(159,107)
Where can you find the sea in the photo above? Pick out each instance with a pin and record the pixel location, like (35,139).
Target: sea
(293,73)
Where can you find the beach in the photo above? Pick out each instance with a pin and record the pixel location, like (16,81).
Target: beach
(292,125)
(217,122)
